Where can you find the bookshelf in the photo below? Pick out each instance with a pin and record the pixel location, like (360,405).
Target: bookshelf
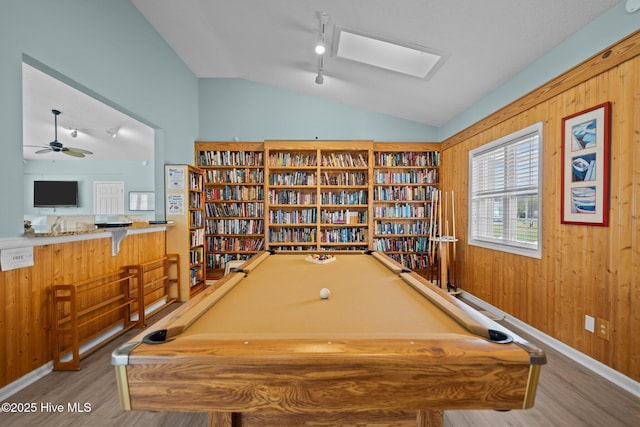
(319,196)
(234,202)
(184,186)
(405,180)
(292,196)
(344,196)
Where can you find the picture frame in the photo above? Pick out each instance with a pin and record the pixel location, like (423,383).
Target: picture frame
(142,201)
(585,166)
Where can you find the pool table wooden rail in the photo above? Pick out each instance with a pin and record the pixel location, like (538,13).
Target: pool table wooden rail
(285,381)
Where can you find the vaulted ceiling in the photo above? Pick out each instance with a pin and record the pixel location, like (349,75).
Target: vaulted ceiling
(484,42)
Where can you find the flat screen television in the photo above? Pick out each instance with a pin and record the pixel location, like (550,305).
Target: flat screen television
(49,194)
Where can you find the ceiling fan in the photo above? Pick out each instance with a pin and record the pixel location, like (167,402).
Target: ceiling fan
(57,147)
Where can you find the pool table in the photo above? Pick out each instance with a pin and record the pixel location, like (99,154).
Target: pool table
(386,347)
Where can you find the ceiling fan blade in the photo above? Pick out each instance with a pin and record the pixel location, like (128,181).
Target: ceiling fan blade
(80,150)
(46,150)
(72,152)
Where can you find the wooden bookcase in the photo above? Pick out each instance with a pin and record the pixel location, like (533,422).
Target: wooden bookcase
(318,196)
(185,207)
(405,179)
(234,201)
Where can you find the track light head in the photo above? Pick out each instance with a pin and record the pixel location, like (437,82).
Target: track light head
(113,132)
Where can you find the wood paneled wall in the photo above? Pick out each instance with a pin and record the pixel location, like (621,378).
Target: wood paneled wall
(25,294)
(584,270)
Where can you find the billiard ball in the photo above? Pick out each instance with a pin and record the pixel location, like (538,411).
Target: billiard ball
(324,293)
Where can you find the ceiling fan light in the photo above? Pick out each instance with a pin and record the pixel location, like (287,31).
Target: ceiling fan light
(320,49)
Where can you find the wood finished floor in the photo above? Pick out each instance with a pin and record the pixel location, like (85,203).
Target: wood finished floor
(569,395)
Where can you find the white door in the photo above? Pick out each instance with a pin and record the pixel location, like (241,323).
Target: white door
(108,197)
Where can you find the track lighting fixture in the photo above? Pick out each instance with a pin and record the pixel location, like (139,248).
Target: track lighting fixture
(113,132)
(320,76)
(321,47)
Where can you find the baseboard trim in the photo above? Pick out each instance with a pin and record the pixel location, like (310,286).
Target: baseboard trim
(24,381)
(33,376)
(597,367)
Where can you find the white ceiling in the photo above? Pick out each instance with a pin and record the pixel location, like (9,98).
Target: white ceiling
(486,42)
(42,93)
(271,42)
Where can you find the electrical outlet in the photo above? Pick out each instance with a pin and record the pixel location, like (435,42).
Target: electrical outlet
(589,323)
(602,329)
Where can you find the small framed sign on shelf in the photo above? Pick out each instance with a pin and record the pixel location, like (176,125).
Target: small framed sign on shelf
(585,166)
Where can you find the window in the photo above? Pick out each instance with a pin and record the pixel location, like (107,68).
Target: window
(504,191)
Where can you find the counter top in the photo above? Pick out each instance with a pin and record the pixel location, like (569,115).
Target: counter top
(95,229)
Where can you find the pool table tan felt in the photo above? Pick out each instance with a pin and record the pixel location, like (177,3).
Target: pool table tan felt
(265,349)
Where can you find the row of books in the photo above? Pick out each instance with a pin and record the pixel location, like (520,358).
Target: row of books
(232,192)
(407,158)
(287,159)
(235,176)
(236,244)
(292,235)
(291,197)
(301,216)
(234,209)
(196,255)
(343,217)
(195,181)
(401,211)
(415,227)
(344,197)
(197,237)
(422,176)
(344,178)
(297,248)
(234,226)
(230,158)
(195,275)
(195,200)
(328,247)
(412,261)
(402,244)
(293,178)
(221,260)
(345,235)
(196,219)
(344,160)
(420,193)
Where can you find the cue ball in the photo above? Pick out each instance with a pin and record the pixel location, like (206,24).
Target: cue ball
(324,293)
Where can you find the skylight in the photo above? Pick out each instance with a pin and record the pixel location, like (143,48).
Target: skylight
(402,58)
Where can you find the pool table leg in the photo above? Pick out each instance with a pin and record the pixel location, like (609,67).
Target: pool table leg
(429,419)
(220,419)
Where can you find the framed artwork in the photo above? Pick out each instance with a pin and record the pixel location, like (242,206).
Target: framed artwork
(142,201)
(585,166)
